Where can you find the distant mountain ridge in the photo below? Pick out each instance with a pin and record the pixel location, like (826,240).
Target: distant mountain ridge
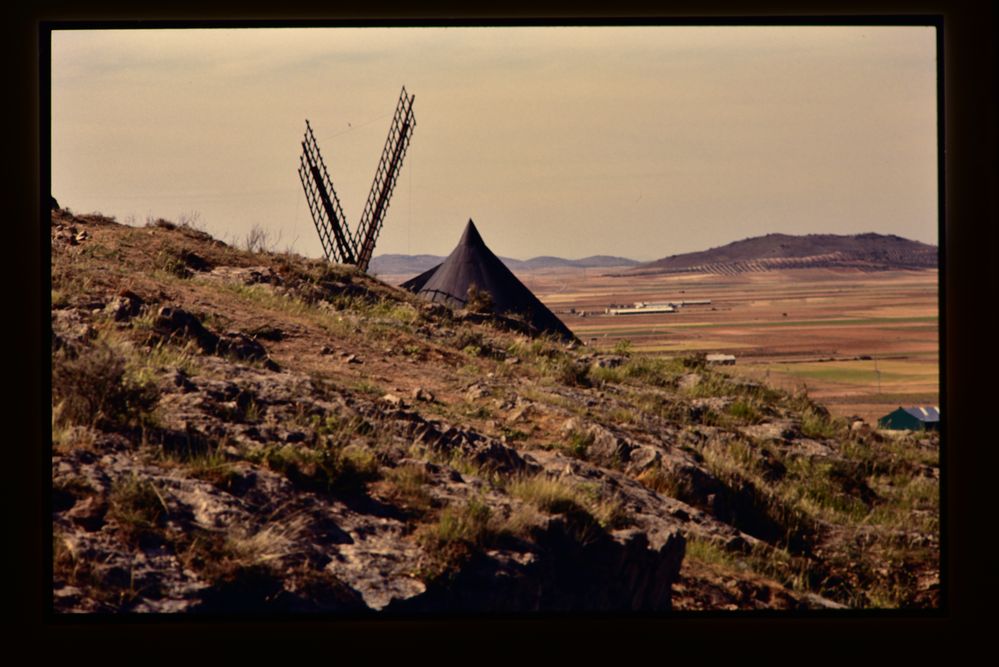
(869,252)
(395,264)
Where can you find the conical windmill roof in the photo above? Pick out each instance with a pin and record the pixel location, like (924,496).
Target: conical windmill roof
(473,263)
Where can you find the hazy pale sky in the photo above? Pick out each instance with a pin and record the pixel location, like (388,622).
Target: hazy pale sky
(633,141)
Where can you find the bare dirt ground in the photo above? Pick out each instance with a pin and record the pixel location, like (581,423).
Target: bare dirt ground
(862,343)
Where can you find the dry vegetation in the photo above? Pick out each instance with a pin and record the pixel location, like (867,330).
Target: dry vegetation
(247,457)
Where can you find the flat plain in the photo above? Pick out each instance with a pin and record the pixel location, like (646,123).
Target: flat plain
(861,343)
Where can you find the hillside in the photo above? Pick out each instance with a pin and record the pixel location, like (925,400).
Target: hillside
(239,431)
(866,252)
(390,264)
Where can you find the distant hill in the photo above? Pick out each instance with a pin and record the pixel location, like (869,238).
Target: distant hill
(869,252)
(404,264)
(591,262)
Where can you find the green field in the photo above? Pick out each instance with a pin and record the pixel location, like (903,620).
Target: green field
(860,372)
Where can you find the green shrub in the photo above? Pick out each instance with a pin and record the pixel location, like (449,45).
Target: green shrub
(408,487)
(137,508)
(92,389)
(745,411)
(340,470)
(554,496)
(706,551)
(172,262)
(661,481)
(469,341)
(647,369)
(202,459)
(817,424)
(468,523)
(478,301)
(623,347)
(453,539)
(578,444)
(546,493)
(563,369)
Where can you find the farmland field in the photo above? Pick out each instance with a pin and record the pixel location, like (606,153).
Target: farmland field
(861,343)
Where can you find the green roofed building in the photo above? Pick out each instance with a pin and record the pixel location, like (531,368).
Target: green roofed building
(912,419)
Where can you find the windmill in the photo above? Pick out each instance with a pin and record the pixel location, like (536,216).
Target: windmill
(339,244)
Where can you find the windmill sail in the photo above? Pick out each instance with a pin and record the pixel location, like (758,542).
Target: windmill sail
(324,205)
(327,214)
(385,177)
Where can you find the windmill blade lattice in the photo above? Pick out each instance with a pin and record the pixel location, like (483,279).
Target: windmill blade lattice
(338,243)
(385,177)
(324,205)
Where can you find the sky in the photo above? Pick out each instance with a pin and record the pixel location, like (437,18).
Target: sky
(639,142)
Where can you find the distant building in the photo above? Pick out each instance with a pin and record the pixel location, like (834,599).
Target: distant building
(641,310)
(723,359)
(912,419)
(656,304)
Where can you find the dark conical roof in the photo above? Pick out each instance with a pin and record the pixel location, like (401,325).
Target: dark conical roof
(414,284)
(472,263)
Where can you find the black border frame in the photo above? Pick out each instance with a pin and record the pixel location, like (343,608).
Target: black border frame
(967,200)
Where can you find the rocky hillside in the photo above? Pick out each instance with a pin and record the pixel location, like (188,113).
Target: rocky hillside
(866,252)
(242,431)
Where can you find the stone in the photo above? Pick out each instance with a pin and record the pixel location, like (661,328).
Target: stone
(608,447)
(476,391)
(71,325)
(643,457)
(699,407)
(610,361)
(171,321)
(434,309)
(737,543)
(689,381)
(421,394)
(267,332)
(180,379)
(394,400)
(241,346)
(126,305)
(604,445)
(521,413)
(784,429)
(88,513)
(680,514)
